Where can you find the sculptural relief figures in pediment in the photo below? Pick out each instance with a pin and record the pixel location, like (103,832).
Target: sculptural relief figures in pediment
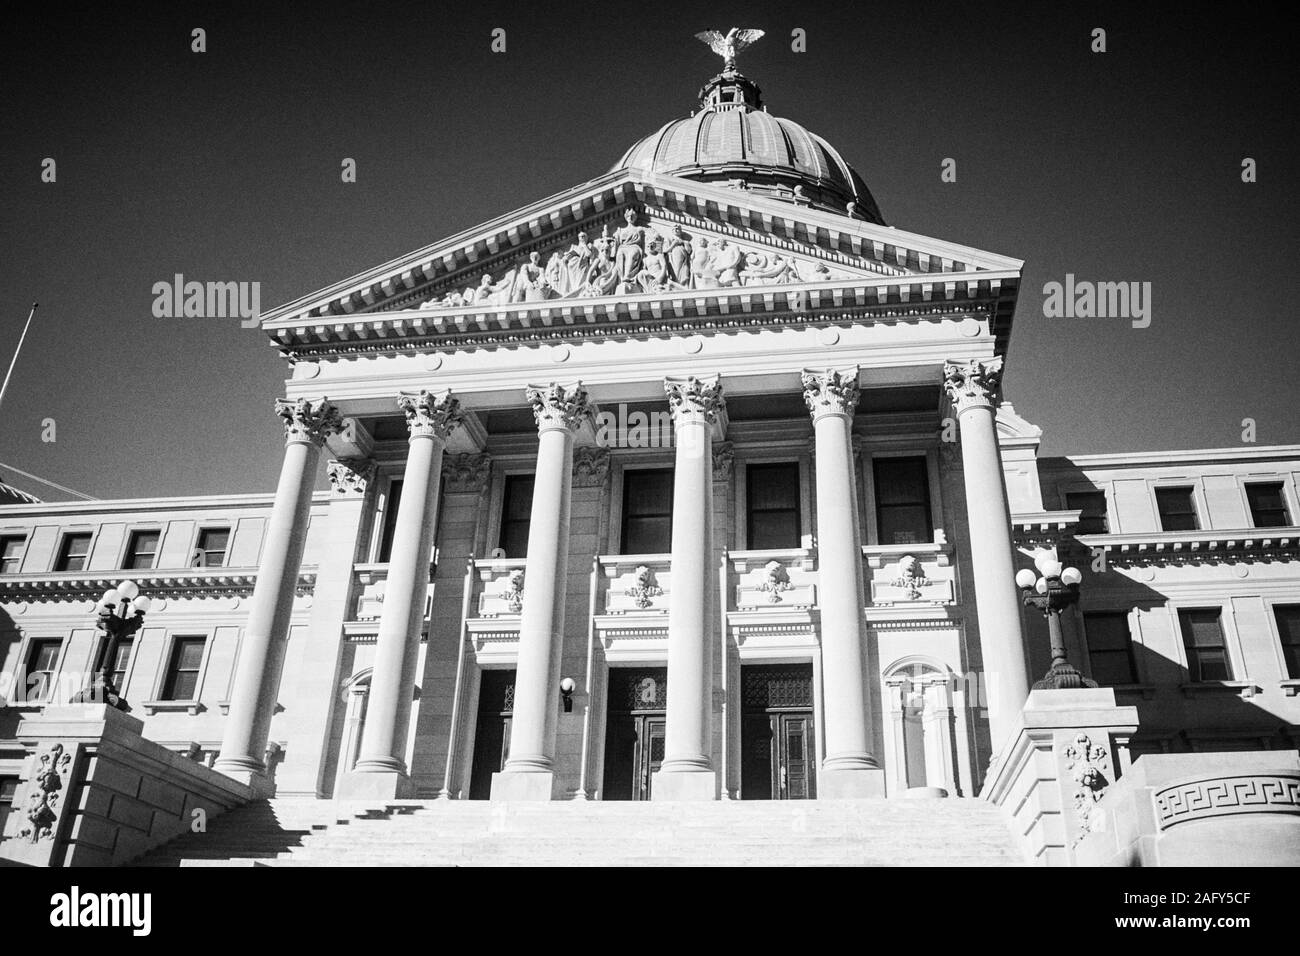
(635,259)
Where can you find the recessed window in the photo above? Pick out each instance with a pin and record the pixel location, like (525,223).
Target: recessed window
(141,550)
(1092,508)
(902,488)
(648,511)
(11,553)
(1207,655)
(1110,648)
(773,505)
(1288,630)
(210,551)
(516,513)
(391,503)
(121,658)
(8,789)
(42,664)
(1267,505)
(182,680)
(1177,509)
(73,551)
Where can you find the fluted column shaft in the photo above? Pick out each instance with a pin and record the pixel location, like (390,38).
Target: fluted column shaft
(849,768)
(381,768)
(687,770)
(261,654)
(528,775)
(972,387)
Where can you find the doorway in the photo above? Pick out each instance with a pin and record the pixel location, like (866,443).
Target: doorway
(496,702)
(777,746)
(634,731)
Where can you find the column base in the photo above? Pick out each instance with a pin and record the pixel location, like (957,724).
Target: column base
(686,785)
(259,781)
(850,784)
(374,785)
(513,785)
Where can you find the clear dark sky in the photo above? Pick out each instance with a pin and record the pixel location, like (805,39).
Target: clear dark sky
(1123,166)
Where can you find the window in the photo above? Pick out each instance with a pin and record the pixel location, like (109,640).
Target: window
(141,550)
(73,551)
(648,511)
(121,658)
(1092,508)
(11,553)
(1267,506)
(210,551)
(1288,630)
(1177,510)
(390,520)
(1110,648)
(773,504)
(1207,656)
(8,788)
(182,679)
(516,513)
(903,500)
(42,664)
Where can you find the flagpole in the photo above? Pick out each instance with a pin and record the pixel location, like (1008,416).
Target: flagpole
(22,338)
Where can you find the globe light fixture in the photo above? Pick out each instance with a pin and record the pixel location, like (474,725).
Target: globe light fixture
(1056,590)
(119,614)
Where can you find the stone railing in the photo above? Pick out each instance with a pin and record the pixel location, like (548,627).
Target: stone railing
(93,792)
(902,574)
(637,583)
(1200,809)
(774,579)
(371,584)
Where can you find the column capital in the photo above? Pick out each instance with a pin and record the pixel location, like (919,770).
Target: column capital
(308,422)
(832,391)
(349,477)
(430,414)
(693,400)
(466,472)
(558,407)
(973,384)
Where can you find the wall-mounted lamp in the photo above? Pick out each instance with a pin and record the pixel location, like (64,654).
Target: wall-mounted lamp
(567,687)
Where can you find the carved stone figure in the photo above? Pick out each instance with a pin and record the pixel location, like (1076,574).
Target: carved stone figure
(775,580)
(43,802)
(727,262)
(760,268)
(631,240)
(603,276)
(729,45)
(646,587)
(911,578)
(530,280)
(703,274)
(655,275)
(677,251)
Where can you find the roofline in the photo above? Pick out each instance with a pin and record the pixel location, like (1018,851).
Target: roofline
(1173,457)
(111,505)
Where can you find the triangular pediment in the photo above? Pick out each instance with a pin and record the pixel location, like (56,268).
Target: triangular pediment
(687,239)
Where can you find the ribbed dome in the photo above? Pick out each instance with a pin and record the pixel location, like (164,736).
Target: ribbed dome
(730,140)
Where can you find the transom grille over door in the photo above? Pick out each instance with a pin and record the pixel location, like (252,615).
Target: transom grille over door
(777,745)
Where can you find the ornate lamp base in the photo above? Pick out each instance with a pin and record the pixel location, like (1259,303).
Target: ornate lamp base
(1063,675)
(101,691)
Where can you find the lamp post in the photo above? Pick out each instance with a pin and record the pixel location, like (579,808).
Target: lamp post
(117,622)
(1056,590)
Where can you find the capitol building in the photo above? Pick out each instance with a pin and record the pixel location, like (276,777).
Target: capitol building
(692,484)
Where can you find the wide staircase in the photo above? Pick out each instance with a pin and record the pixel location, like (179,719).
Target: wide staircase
(296,832)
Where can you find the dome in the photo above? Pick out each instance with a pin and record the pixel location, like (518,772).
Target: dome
(732,140)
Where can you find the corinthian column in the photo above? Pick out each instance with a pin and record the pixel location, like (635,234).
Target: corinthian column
(261,655)
(849,768)
(528,775)
(380,770)
(972,387)
(687,771)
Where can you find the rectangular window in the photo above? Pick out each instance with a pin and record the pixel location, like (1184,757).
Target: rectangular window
(1288,630)
(121,658)
(42,662)
(73,551)
(183,669)
(11,553)
(210,552)
(1092,508)
(1267,505)
(648,511)
(394,500)
(903,500)
(1110,648)
(1177,509)
(773,506)
(141,550)
(1207,655)
(516,513)
(8,789)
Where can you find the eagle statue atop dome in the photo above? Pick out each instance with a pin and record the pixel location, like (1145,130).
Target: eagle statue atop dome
(729,45)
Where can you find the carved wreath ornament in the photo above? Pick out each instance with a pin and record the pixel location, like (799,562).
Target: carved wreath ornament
(1086,764)
(775,580)
(646,587)
(910,576)
(512,592)
(42,810)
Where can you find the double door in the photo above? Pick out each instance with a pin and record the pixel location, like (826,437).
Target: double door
(634,732)
(777,746)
